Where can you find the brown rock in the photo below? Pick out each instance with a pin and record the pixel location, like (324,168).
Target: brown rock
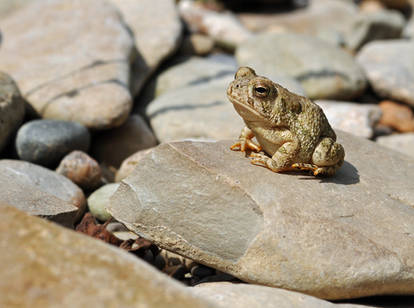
(113,146)
(43,265)
(398,116)
(81,169)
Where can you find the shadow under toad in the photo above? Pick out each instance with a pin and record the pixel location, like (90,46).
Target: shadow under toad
(346,175)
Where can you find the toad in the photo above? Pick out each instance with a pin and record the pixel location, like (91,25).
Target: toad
(292,131)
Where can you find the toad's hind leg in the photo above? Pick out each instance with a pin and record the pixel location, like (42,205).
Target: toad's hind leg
(327,158)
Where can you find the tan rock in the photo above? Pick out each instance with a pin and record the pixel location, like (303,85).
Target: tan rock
(226,294)
(71,60)
(398,116)
(129,164)
(157,32)
(113,146)
(341,237)
(49,266)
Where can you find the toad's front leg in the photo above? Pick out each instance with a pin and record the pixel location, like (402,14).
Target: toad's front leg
(245,142)
(281,161)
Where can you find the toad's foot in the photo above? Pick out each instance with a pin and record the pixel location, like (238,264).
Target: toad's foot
(260,159)
(245,142)
(310,167)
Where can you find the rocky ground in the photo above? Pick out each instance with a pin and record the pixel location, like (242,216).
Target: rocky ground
(114,122)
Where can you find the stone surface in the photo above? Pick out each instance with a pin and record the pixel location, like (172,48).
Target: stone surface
(37,178)
(9,6)
(223,27)
(69,73)
(157,32)
(409,29)
(199,111)
(196,44)
(398,116)
(12,108)
(375,26)
(389,66)
(403,143)
(194,71)
(341,237)
(81,169)
(325,71)
(113,146)
(226,294)
(46,142)
(49,266)
(326,20)
(129,164)
(354,118)
(98,201)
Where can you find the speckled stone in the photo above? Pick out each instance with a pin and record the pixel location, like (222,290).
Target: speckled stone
(45,142)
(81,169)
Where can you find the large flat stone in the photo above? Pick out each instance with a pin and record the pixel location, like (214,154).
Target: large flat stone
(70,59)
(341,237)
(43,265)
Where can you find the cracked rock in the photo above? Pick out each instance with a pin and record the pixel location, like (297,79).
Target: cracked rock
(335,238)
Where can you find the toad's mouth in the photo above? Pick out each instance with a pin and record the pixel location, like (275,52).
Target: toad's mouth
(247,112)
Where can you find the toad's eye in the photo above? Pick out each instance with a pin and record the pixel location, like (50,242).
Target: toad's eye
(261,91)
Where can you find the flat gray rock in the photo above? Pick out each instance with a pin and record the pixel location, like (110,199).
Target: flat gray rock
(40,191)
(156,27)
(342,237)
(199,111)
(354,118)
(46,142)
(12,108)
(325,71)
(389,66)
(71,60)
(403,143)
(44,265)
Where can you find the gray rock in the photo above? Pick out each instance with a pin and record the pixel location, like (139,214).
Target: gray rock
(409,29)
(226,294)
(44,265)
(403,143)
(199,111)
(71,60)
(46,180)
(335,238)
(98,201)
(354,118)
(156,27)
(375,26)
(39,191)
(389,66)
(113,146)
(325,71)
(45,142)
(193,71)
(12,107)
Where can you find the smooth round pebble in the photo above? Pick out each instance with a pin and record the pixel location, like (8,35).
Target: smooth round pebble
(98,201)
(81,169)
(45,142)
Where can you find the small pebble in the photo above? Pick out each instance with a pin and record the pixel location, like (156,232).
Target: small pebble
(99,200)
